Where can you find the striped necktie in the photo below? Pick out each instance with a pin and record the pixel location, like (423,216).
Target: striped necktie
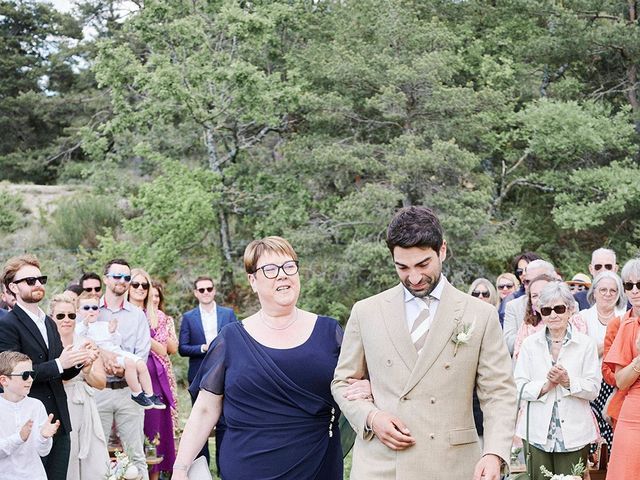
(420,326)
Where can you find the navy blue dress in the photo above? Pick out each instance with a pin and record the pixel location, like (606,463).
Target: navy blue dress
(282,422)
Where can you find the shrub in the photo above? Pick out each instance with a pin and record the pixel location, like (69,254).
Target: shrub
(12,212)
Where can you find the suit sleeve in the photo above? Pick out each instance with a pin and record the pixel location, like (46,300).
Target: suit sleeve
(352,364)
(510,326)
(10,340)
(496,391)
(185,347)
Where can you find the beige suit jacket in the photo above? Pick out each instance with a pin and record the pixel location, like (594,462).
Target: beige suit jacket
(431,393)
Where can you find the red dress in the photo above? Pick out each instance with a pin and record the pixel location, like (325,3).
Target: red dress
(624,463)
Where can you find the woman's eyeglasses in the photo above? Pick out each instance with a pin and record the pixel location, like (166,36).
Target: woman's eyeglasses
(272,270)
(31,281)
(608,291)
(483,294)
(145,286)
(559,309)
(628,286)
(24,375)
(61,316)
(86,308)
(505,286)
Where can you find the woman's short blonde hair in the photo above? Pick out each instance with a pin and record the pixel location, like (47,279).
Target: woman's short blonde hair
(509,276)
(258,248)
(493,295)
(61,298)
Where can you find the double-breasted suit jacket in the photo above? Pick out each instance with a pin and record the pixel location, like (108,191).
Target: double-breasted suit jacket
(430,392)
(19,333)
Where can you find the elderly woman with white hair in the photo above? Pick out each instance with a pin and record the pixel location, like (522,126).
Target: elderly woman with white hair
(558,373)
(624,360)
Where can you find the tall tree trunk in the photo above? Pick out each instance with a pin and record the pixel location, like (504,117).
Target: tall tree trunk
(226,280)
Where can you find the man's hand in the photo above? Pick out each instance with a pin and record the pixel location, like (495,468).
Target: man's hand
(205,348)
(488,468)
(70,358)
(25,431)
(49,428)
(391,431)
(358,390)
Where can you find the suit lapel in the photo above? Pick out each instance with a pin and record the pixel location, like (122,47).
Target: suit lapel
(449,312)
(31,327)
(397,329)
(51,336)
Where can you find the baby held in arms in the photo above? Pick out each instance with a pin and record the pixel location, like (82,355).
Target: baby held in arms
(109,340)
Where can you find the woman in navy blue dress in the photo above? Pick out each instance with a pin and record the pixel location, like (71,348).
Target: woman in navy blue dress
(271,376)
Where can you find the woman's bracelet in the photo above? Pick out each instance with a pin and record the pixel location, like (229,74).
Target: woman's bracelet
(180,466)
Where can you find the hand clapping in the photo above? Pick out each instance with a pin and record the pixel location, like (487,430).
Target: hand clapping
(25,431)
(49,428)
(559,376)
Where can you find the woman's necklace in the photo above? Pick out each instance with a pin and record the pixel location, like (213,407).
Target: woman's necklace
(604,319)
(269,325)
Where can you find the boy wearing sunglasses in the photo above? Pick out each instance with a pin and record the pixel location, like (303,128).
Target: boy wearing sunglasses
(25,428)
(109,340)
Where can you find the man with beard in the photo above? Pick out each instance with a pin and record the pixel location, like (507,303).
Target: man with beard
(425,346)
(28,330)
(114,402)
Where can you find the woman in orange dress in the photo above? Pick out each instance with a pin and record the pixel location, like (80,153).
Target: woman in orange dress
(624,360)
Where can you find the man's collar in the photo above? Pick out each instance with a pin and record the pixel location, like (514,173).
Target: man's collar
(36,318)
(126,305)
(435,293)
(202,309)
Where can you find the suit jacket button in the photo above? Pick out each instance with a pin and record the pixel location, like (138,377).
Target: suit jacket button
(389,362)
(404,399)
(432,400)
(40,356)
(432,436)
(446,365)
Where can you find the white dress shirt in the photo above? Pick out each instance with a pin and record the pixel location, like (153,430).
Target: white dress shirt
(209,323)
(414,305)
(39,320)
(21,460)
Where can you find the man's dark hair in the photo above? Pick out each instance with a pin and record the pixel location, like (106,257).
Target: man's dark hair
(527,256)
(414,227)
(203,278)
(75,288)
(115,261)
(91,276)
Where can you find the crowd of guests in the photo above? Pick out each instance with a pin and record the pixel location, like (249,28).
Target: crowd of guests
(96,369)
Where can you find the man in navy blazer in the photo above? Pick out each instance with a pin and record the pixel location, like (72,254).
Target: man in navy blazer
(198,329)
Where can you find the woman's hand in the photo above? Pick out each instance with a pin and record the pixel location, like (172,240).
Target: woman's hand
(559,376)
(358,390)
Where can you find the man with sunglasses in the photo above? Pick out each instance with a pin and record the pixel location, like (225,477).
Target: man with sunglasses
(114,402)
(602,259)
(28,330)
(91,283)
(198,329)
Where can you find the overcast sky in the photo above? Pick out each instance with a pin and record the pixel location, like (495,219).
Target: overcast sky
(62,5)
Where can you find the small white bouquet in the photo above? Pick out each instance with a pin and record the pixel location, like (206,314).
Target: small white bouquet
(122,468)
(577,472)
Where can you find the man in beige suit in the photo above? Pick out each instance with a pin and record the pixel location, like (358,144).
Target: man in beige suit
(425,346)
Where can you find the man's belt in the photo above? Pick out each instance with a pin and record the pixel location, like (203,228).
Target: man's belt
(117,385)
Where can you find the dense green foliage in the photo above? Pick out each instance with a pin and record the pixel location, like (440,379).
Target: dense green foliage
(516,120)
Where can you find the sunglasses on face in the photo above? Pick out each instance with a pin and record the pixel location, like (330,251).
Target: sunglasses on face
(61,316)
(206,289)
(607,266)
(95,308)
(92,289)
(478,293)
(31,281)
(119,277)
(559,309)
(145,286)
(628,286)
(25,375)
(505,286)
(519,272)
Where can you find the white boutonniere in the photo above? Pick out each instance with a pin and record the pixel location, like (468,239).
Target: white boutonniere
(462,335)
